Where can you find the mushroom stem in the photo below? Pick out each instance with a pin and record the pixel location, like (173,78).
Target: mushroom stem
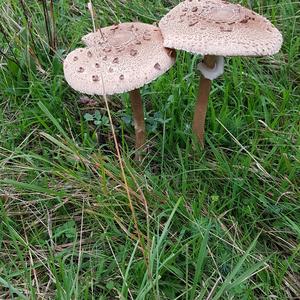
(139,122)
(202,101)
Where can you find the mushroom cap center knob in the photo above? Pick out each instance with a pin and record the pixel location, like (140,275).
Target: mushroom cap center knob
(225,14)
(121,38)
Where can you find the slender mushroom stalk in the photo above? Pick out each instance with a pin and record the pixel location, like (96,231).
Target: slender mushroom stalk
(139,122)
(211,68)
(202,101)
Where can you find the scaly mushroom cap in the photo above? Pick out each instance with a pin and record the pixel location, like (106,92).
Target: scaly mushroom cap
(125,58)
(216,27)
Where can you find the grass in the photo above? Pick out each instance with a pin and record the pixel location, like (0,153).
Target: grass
(219,223)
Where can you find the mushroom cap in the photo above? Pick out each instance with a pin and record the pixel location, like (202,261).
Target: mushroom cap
(125,58)
(217,27)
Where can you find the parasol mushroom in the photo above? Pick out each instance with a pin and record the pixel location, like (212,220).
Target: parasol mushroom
(121,58)
(216,28)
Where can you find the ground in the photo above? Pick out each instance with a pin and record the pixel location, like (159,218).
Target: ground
(218,223)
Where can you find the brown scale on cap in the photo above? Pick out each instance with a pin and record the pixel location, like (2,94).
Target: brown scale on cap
(120,49)
(121,71)
(199,26)
(95,78)
(133,52)
(157,66)
(225,29)
(107,49)
(193,22)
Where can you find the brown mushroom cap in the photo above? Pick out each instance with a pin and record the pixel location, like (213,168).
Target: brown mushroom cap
(217,27)
(127,57)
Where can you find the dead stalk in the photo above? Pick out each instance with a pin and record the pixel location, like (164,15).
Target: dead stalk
(121,163)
